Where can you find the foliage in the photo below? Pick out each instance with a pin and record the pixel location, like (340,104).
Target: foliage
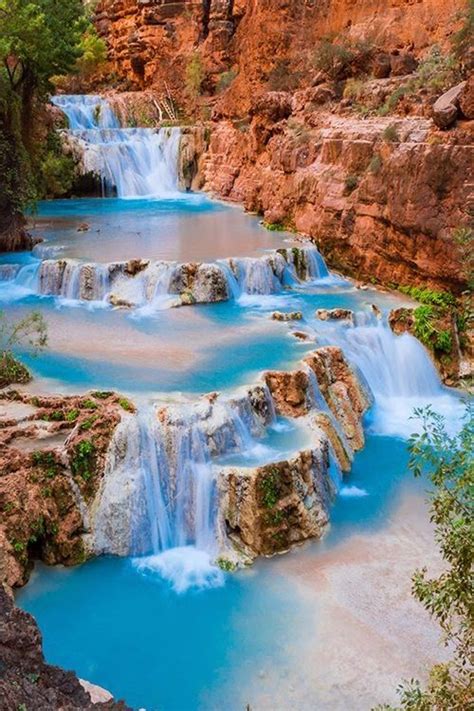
(390,134)
(47,462)
(228,566)
(332,58)
(225,80)
(58,173)
(354,88)
(350,184)
(442,299)
(30,331)
(12,371)
(282,77)
(448,462)
(463,40)
(274,226)
(268,487)
(194,75)
(83,459)
(375,164)
(126,405)
(39,39)
(437,70)
(93,52)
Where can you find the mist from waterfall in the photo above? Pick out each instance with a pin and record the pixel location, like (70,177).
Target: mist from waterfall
(133,162)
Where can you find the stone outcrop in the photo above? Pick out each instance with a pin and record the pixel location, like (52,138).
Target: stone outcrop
(269,509)
(335,315)
(446,108)
(53,453)
(378,209)
(26,681)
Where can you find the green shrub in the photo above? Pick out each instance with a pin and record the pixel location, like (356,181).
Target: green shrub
(350,184)
(375,164)
(268,487)
(226,565)
(89,422)
(441,299)
(90,405)
(72,415)
(126,404)
(333,59)
(282,77)
(194,75)
(58,174)
(102,394)
(443,342)
(83,459)
(390,135)
(225,80)
(274,226)
(93,52)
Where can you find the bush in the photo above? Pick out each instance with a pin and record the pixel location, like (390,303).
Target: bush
(350,184)
(58,173)
(93,52)
(333,59)
(283,78)
(390,135)
(194,75)
(375,164)
(448,463)
(29,332)
(225,80)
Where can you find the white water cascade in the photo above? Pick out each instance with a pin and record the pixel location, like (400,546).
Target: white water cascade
(399,372)
(159,497)
(133,162)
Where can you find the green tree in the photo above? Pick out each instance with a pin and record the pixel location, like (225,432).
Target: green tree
(448,462)
(39,39)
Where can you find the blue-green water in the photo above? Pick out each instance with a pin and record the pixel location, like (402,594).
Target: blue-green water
(199,650)
(131,632)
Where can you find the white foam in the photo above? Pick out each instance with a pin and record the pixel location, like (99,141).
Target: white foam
(353,492)
(184,568)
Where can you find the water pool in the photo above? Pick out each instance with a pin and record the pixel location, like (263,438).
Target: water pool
(249,638)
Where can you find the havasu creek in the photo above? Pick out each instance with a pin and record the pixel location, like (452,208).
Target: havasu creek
(244,269)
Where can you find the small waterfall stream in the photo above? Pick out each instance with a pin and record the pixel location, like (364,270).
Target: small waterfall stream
(132,162)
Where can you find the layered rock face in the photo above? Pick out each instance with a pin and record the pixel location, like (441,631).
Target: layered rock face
(376,208)
(381,197)
(53,457)
(26,680)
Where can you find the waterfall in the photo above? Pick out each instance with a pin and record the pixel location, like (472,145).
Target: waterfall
(398,371)
(158,498)
(133,162)
(18,281)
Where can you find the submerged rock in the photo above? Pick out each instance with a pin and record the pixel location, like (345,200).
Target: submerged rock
(290,316)
(335,315)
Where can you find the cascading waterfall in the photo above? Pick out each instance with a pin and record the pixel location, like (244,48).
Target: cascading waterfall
(133,162)
(152,288)
(398,370)
(158,496)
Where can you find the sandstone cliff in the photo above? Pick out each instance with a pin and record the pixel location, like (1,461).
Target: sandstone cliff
(320,116)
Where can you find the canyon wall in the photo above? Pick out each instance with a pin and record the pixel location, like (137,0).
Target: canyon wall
(318,119)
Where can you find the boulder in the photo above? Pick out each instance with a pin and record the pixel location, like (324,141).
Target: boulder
(381,65)
(291,316)
(402,63)
(335,315)
(446,107)
(273,105)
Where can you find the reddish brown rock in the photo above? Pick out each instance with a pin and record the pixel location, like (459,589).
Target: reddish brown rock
(445,109)
(53,453)
(466,99)
(26,680)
